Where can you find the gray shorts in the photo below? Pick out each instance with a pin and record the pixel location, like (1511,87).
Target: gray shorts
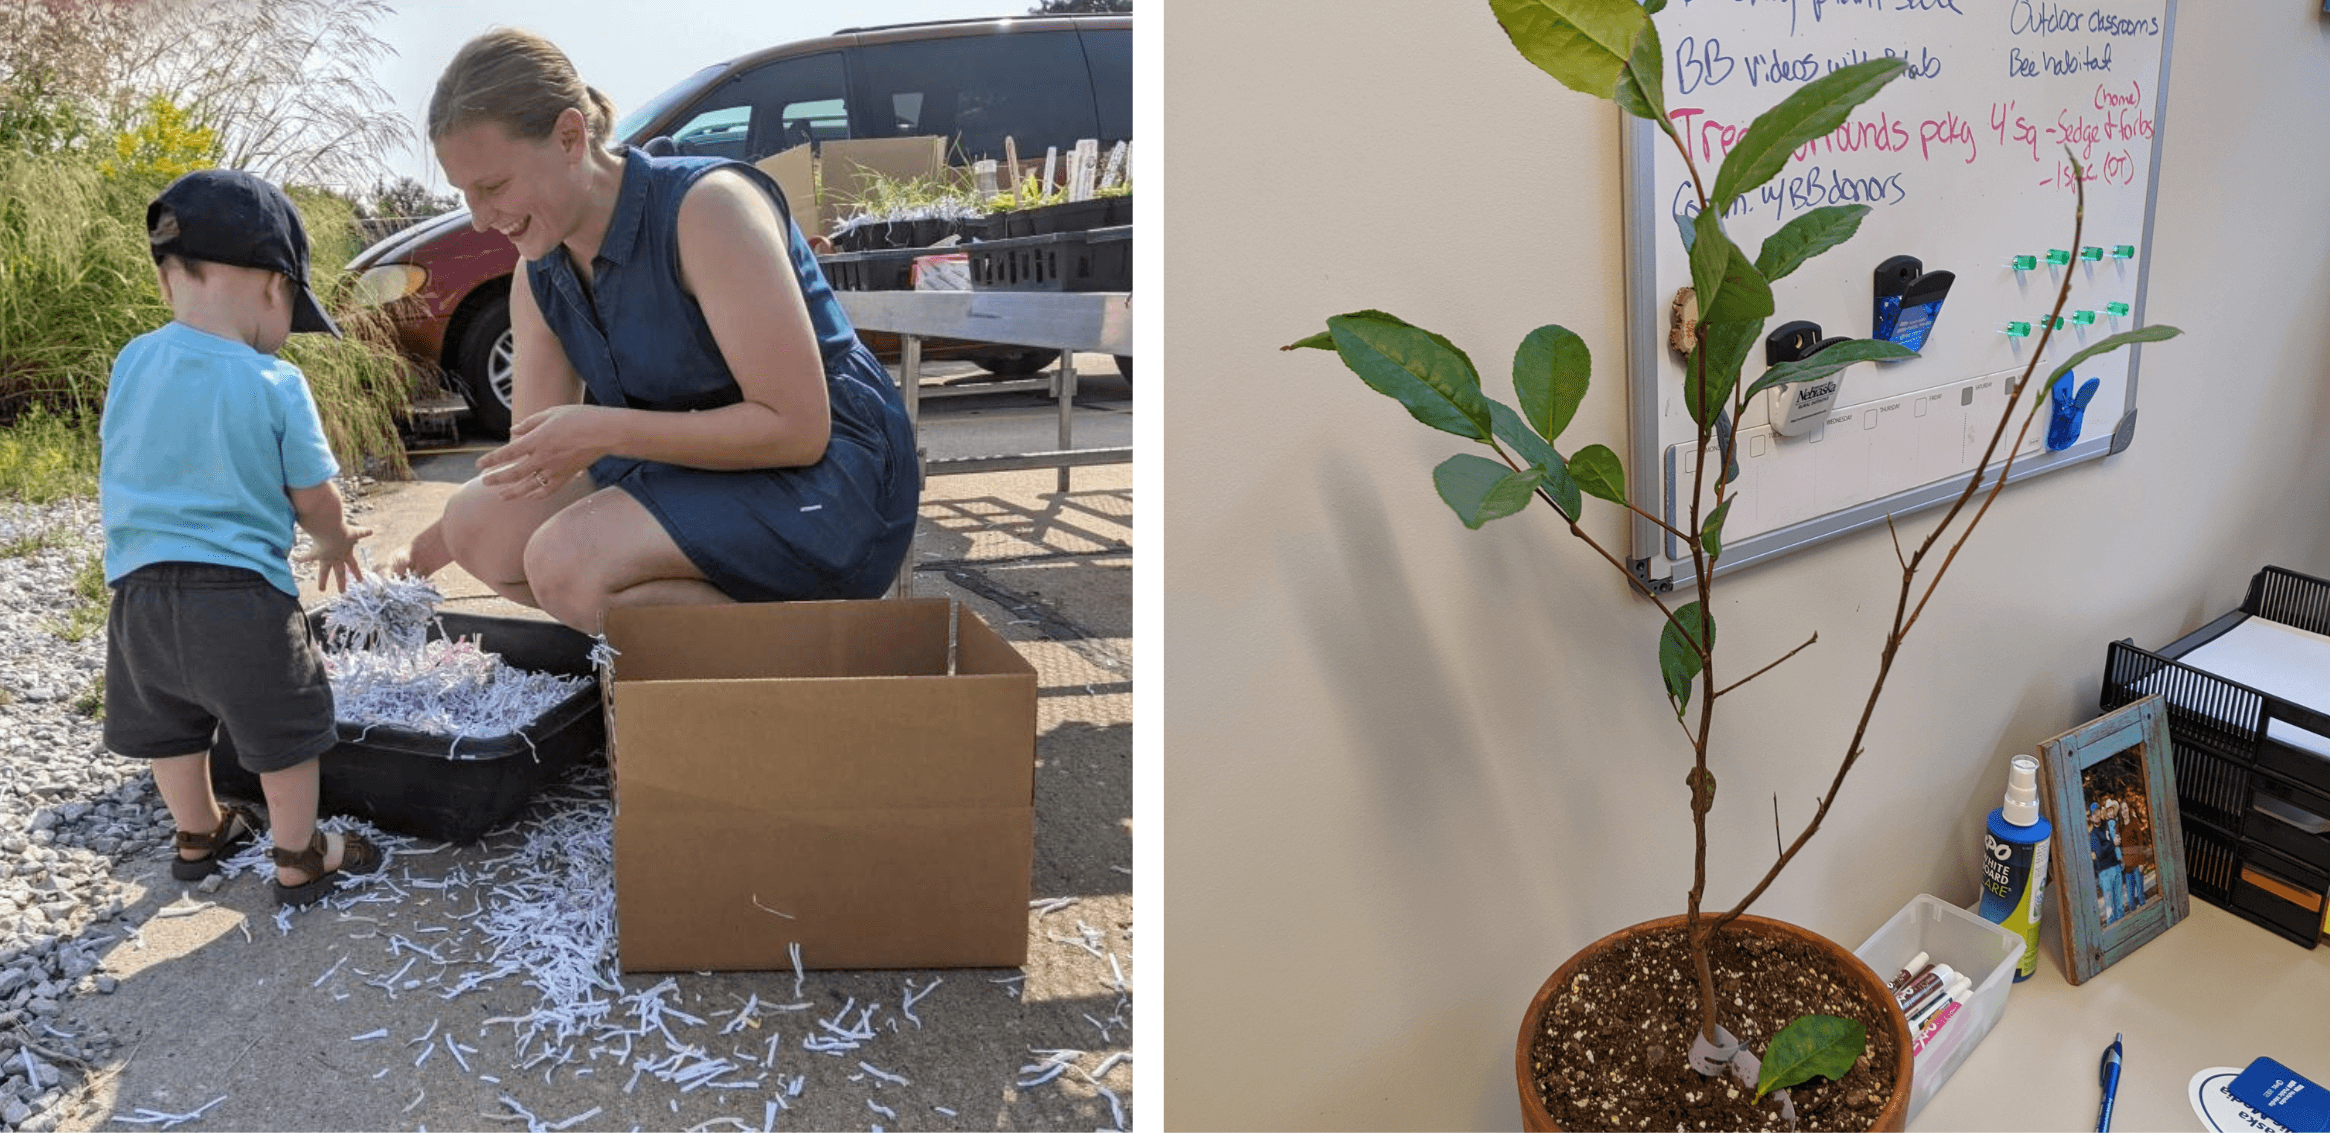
(191,646)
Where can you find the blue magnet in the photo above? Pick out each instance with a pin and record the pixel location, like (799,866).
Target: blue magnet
(1908,301)
(2063,429)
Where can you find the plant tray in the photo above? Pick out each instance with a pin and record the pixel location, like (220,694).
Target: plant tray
(1100,260)
(1060,218)
(435,788)
(870,270)
(2246,764)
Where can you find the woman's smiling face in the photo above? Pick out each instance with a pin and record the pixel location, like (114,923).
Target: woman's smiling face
(522,188)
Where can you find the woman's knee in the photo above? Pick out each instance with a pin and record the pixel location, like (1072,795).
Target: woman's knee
(476,537)
(560,573)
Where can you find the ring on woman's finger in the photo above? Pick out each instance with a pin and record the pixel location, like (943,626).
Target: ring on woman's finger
(540,480)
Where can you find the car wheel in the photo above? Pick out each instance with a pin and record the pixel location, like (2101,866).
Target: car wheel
(1023,364)
(1124,366)
(483,362)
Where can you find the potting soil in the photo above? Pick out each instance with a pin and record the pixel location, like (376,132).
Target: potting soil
(1612,1052)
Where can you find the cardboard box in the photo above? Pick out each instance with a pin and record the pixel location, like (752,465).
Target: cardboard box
(795,171)
(831,183)
(821,773)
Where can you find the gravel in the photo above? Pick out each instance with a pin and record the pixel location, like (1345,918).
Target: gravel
(69,809)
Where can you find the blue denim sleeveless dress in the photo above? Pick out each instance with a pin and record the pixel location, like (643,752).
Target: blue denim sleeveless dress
(836,529)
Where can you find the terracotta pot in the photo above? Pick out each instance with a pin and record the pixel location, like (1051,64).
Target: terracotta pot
(1892,1118)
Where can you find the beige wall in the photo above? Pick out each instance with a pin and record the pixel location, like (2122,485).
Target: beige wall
(1408,769)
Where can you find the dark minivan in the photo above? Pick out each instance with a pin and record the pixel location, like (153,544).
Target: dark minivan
(1043,81)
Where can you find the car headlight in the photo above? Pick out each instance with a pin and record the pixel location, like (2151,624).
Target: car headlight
(388,283)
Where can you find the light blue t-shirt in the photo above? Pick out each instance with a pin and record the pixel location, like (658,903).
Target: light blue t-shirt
(202,436)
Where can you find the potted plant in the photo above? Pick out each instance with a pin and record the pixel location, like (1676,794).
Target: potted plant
(1633,1033)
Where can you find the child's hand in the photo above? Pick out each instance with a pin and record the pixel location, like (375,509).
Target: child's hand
(337,557)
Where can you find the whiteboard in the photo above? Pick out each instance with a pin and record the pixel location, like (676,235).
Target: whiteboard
(1961,160)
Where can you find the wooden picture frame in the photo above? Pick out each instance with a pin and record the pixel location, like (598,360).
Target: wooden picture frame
(2109,789)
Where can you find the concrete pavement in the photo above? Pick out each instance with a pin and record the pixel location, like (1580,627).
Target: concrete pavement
(317,1028)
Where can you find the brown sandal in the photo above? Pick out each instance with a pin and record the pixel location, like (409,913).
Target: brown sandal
(357,857)
(217,844)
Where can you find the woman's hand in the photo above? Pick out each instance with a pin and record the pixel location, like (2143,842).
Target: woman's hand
(548,449)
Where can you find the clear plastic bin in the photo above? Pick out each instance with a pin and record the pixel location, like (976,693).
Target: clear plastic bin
(1974,947)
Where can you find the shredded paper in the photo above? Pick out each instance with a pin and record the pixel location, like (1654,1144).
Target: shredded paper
(387,672)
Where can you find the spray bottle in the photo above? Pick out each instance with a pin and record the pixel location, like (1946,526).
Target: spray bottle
(2014,862)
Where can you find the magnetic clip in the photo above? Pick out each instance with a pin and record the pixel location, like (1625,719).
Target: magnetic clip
(2070,410)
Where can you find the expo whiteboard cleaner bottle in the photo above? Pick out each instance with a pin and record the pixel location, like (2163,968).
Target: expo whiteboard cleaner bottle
(2014,862)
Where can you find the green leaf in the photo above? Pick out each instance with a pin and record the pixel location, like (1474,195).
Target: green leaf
(1424,371)
(1549,377)
(1711,531)
(1726,346)
(1679,659)
(1557,482)
(2140,334)
(1598,473)
(1823,1045)
(1828,362)
(1582,43)
(1482,490)
(1323,340)
(1654,7)
(1642,82)
(1729,287)
(1807,235)
(1808,113)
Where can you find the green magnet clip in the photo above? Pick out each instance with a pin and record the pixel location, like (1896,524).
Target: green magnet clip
(2124,251)
(2083,318)
(2116,309)
(2090,254)
(2058,258)
(2043,322)
(2018,330)
(2024,262)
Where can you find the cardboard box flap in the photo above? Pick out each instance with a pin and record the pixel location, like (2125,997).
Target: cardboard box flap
(980,652)
(795,170)
(847,164)
(906,742)
(788,639)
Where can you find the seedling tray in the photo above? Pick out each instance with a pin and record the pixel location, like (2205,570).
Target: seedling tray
(1097,260)
(2236,786)
(1059,218)
(433,787)
(870,270)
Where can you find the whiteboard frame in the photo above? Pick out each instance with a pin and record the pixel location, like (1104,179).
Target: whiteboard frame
(1643,226)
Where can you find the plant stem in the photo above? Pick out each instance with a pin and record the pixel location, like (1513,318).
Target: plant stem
(1767,668)
(1903,618)
(1702,791)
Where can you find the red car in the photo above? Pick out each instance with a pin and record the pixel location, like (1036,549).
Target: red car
(1044,81)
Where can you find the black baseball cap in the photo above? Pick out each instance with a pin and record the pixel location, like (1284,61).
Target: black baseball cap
(241,220)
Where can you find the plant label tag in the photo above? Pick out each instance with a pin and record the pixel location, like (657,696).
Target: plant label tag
(2283,1095)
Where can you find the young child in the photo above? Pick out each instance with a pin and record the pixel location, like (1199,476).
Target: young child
(211,447)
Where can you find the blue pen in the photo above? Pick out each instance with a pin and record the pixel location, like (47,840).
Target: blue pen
(2110,1081)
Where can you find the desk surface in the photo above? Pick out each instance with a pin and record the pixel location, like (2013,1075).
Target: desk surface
(2214,990)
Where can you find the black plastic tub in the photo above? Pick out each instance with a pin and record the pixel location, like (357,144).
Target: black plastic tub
(436,788)
(1099,260)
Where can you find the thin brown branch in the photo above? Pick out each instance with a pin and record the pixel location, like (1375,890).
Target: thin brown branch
(1767,668)
(1657,521)
(1903,618)
(1896,535)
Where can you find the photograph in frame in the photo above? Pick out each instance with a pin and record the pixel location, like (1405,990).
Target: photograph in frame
(2109,788)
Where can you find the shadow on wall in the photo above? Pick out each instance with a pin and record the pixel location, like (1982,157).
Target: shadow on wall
(1417,754)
